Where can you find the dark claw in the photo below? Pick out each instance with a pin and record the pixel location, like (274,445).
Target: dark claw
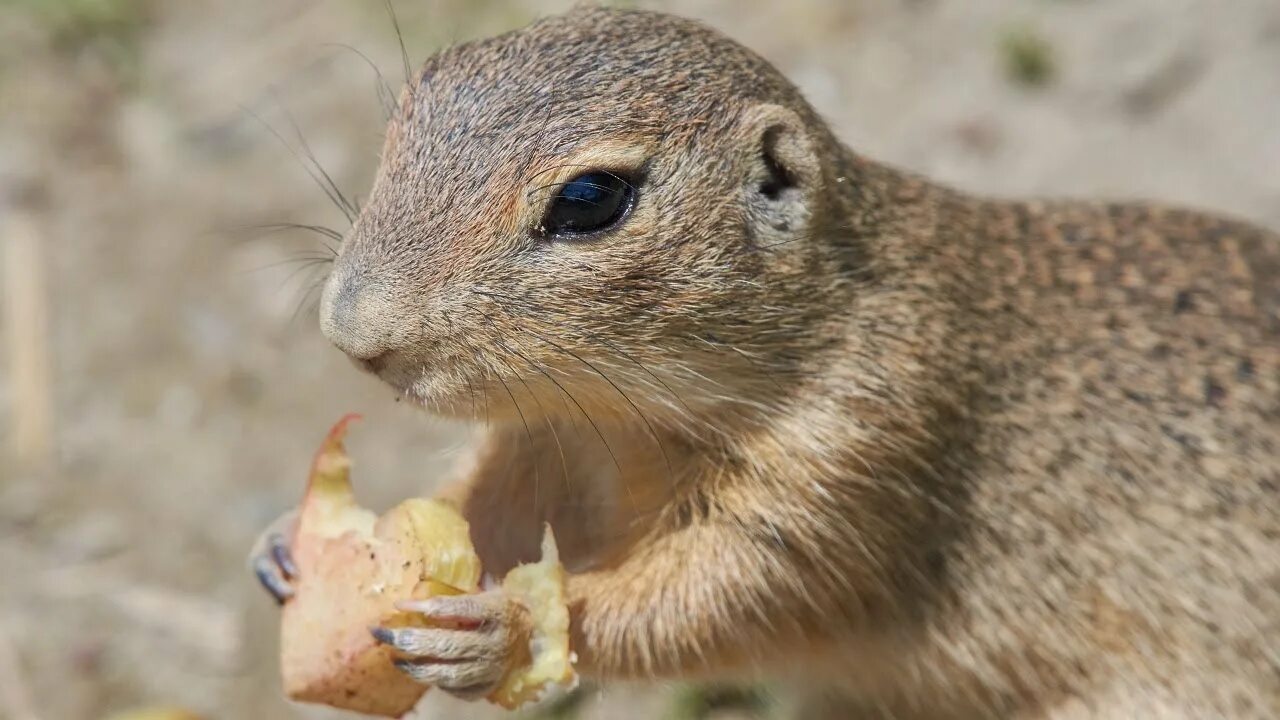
(280,553)
(265,568)
(383,635)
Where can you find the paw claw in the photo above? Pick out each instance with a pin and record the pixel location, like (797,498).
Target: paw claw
(268,576)
(467,647)
(271,560)
(282,556)
(383,635)
(441,644)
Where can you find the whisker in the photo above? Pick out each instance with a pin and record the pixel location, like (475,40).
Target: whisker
(536,366)
(305,263)
(585,201)
(315,256)
(643,418)
(637,363)
(562,166)
(471,393)
(404,52)
(590,421)
(716,344)
(471,389)
(597,339)
(306,168)
(546,417)
(305,300)
(306,149)
(488,420)
(536,478)
(607,343)
(271,228)
(560,186)
(385,95)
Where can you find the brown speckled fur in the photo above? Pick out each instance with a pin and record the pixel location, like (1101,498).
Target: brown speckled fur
(949,456)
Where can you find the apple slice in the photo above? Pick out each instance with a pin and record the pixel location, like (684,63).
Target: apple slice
(353,567)
(540,587)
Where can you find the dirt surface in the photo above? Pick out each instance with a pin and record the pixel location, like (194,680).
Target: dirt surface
(189,382)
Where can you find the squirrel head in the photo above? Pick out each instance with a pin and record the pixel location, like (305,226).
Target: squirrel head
(607,210)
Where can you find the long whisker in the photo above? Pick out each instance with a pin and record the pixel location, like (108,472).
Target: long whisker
(546,417)
(385,95)
(643,418)
(597,186)
(404,52)
(315,177)
(602,341)
(351,209)
(468,347)
(304,264)
(302,260)
(306,300)
(529,196)
(488,420)
(270,228)
(716,344)
(537,483)
(637,363)
(536,366)
(573,199)
(471,393)
(562,166)
(608,448)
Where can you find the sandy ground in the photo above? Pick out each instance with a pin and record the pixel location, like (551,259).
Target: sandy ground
(189,382)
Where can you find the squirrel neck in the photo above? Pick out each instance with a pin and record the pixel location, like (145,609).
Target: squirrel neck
(901,270)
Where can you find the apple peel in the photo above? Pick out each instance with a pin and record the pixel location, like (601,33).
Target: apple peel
(354,567)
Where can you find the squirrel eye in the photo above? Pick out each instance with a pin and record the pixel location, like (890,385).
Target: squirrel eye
(589,203)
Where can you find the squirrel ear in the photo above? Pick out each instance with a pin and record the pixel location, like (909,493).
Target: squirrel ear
(783,169)
(782,143)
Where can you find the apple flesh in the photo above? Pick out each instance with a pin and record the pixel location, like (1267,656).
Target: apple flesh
(540,587)
(353,567)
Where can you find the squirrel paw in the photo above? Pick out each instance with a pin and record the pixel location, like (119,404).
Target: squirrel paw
(271,560)
(469,646)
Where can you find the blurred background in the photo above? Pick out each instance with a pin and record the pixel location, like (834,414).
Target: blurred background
(162,379)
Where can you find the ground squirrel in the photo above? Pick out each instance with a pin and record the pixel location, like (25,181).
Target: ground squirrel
(794,413)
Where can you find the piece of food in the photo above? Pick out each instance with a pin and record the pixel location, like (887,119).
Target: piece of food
(353,567)
(540,587)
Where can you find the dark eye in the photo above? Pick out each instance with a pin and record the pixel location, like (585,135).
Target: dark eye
(589,203)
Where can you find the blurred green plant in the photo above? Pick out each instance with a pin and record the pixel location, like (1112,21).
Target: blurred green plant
(695,702)
(1028,57)
(109,29)
(566,707)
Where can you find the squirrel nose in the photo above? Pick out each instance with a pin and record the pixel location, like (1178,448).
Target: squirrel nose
(357,319)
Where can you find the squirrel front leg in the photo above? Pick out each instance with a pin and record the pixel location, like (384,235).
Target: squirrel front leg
(715,597)
(713,578)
